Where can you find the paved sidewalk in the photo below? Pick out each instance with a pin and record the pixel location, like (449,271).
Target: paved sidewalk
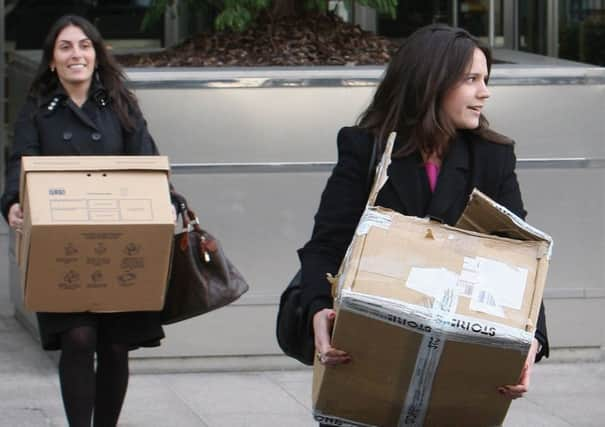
(562,395)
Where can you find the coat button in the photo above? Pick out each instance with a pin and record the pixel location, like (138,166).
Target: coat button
(95,136)
(67,136)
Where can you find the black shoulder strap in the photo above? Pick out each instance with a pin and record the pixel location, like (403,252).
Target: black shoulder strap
(372,165)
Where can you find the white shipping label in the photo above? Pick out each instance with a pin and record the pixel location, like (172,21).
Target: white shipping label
(467,281)
(371,218)
(504,282)
(483,300)
(433,282)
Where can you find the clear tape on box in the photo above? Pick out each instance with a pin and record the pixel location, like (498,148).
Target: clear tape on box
(437,324)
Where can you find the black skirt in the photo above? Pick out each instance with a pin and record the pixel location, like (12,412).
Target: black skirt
(136,329)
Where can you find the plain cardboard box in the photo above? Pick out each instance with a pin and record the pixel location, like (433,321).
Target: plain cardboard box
(97,233)
(434,317)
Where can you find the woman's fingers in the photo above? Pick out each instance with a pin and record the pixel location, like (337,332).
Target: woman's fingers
(519,390)
(333,357)
(15,217)
(322,326)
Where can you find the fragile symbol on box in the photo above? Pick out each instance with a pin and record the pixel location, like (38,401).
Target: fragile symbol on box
(132,249)
(70,249)
(127,278)
(71,280)
(100,249)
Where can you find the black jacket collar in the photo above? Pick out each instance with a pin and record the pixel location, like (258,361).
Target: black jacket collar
(409,179)
(96,93)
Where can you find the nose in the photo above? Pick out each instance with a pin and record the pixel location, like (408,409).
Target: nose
(483,92)
(76,52)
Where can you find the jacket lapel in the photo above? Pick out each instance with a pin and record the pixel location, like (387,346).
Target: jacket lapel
(452,182)
(409,181)
(79,112)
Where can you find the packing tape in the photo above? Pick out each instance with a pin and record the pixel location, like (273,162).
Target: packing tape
(418,395)
(425,321)
(372,218)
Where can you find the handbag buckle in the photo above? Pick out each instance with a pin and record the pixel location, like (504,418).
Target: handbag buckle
(191,223)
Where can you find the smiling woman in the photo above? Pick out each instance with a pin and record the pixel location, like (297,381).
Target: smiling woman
(78,104)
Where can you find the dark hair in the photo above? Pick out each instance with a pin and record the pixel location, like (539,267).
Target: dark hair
(429,63)
(108,70)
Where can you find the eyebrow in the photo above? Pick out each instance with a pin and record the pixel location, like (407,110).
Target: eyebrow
(77,41)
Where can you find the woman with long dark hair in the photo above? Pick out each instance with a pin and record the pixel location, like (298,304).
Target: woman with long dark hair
(432,94)
(78,104)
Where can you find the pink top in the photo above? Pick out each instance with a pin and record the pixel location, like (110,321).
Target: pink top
(432,172)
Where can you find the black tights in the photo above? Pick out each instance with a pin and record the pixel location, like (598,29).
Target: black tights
(84,390)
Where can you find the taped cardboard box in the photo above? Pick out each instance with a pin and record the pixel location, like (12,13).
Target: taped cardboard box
(97,233)
(435,318)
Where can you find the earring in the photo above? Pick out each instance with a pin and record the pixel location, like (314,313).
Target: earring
(52,69)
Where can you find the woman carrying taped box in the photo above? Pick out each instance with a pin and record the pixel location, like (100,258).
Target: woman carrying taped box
(432,94)
(78,104)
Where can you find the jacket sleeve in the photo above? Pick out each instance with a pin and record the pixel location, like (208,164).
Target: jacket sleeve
(26,142)
(139,141)
(509,195)
(341,205)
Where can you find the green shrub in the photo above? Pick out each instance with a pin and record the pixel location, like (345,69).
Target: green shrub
(237,15)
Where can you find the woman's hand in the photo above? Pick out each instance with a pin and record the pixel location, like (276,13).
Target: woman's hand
(323,321)
(518,390)
(15,217)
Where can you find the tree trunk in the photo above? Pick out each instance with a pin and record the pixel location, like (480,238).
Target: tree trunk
(283,8)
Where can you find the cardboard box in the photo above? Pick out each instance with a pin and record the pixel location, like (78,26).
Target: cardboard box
(97,233)
(435,318)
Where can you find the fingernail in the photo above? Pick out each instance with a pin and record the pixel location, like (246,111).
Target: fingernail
(331,316)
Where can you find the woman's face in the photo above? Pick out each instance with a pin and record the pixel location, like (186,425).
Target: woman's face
(74,57)
(463,103)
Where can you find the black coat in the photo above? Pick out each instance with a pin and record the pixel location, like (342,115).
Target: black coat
(470,162)
(54,125)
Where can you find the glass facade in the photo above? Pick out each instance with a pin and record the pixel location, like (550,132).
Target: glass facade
(569,29)
(582,30)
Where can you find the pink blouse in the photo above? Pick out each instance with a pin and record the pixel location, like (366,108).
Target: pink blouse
(432,172)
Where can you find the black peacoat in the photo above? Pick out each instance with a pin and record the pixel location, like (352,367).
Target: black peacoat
(54,125)
(470,162)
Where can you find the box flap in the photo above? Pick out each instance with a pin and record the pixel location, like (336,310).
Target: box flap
(82,163)
(484,215)
(90,163)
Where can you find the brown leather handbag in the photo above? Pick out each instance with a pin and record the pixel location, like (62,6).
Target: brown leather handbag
(202,277)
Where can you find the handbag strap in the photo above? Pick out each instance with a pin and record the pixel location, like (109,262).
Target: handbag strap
(191,223)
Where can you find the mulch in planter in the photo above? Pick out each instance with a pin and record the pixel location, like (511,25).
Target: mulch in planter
(306,40)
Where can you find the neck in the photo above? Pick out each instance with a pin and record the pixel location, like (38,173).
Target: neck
(78,92)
